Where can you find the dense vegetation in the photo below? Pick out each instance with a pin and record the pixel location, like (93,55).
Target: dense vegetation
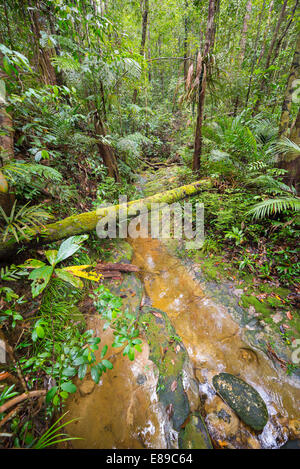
(91,94)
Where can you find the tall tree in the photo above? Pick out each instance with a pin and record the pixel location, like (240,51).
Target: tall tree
(245,29)
(270,52)
(292,84)
(6,142)
(145,13)
(202,64)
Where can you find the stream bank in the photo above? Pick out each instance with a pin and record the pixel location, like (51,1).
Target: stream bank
(191,332)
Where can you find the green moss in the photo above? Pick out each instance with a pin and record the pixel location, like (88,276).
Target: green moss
(194,435)
(250,300)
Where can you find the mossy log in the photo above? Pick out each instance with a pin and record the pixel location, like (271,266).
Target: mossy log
(86,222)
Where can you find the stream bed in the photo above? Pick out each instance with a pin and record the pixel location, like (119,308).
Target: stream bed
(124,409)
(130,406)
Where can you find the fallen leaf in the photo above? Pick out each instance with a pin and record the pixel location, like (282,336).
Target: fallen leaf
(289,315)
(170,410)
(174,386)
(158,315)
(222,444)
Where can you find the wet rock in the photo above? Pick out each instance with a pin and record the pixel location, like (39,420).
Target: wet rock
(86,387)
(222,422)
(243,399)
(171,358)
(194,435)
(141,379)
(294,429)
(248,356)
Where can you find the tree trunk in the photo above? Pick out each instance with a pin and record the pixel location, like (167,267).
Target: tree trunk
(269,56)
(209,43)
(106,152)
(291,161)
(245,29)
(143,40)
(290,89)
(255,51)
(43,55)
(86,222)
(6,146)
(185,42)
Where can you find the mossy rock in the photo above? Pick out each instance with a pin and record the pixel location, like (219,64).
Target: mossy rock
(262,308)
(170,356)
(122,252)
(194,435)
(243,399)
(130,290)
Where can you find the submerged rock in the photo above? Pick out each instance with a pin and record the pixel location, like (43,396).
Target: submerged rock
(194,435)
(243,399)
(170,356)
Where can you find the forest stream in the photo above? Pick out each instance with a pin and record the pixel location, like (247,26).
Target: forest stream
(124,411)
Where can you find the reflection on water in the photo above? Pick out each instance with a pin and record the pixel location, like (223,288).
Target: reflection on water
(123,412)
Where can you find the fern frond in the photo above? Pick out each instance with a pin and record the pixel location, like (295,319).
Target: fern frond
(21,169)
(274,207)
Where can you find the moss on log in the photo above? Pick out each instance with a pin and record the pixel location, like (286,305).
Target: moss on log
(86,222)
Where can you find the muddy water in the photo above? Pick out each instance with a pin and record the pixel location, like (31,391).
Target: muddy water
(214,342)
(123,411)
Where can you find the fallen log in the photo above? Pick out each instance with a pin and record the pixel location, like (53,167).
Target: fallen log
(86,222)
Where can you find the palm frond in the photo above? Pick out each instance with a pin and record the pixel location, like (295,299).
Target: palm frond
(274,207)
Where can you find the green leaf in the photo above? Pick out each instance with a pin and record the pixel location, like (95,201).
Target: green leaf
(64,394)
(51,393)
(69,387)
(96,373)
(107,364)
(69,247)
(41,277)
(40,332)
(70,371)
(104,350)
(68,277)
(131,354)
(51,256)
(82,371)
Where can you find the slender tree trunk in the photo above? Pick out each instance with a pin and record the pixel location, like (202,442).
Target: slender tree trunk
(283,35)
(185,42)
(245,29)
(292,84)
(6,146)
(143,40)
(43,55)
(209,43)
(106,152)
(270,52)
(255,51)
(291,161)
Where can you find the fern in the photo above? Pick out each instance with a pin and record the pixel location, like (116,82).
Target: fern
(274,207)
(23,169)
(66,63)
(19,222)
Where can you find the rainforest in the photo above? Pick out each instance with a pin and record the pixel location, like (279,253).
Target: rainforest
(149,226)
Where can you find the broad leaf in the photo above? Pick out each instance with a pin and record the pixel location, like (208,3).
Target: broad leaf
(67,277)
(69,247)
(40,277)
(51,256)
